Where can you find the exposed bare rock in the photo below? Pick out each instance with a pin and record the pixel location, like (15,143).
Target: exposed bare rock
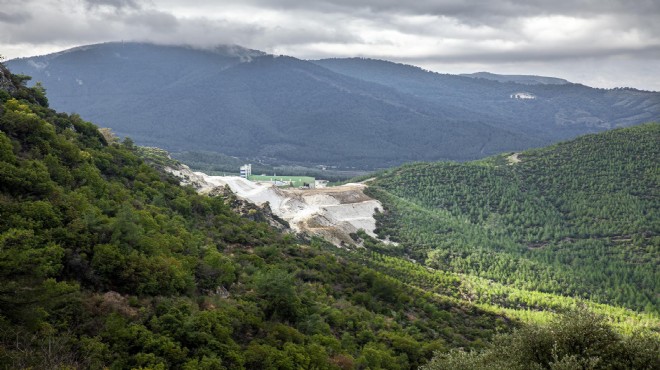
(332,212)
(221,292)
(6,83)
(187,177)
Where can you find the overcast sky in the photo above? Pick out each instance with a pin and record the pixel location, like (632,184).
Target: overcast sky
(601,43)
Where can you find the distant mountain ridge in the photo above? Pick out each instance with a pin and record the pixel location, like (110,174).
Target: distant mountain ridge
(520,79)
(559,112)
(355,113)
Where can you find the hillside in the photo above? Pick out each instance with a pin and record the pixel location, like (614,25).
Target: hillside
(107,262)
(553,112)
(580,218)
(346,113)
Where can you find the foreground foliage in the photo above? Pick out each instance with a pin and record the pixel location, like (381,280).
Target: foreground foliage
(577,340)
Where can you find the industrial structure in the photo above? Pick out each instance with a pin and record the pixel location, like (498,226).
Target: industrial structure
(246,171)
(302,182)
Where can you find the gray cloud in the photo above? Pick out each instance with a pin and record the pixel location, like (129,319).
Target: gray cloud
(14,18)
(486,34)
(113,3)
(537,55)
(153,20)
(476,9)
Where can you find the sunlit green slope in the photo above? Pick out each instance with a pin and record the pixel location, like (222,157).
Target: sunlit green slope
(580,218)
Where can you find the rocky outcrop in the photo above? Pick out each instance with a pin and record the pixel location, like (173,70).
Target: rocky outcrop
(6,83)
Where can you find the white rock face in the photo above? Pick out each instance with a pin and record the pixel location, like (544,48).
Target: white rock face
(330,212)
(523,96)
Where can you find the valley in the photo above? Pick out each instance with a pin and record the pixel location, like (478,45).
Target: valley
(516,219)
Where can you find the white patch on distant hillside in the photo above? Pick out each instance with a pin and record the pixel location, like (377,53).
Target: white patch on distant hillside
(523,96)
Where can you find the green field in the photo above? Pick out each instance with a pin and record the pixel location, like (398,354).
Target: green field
(296,181)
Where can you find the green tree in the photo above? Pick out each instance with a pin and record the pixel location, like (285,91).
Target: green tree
(278,291)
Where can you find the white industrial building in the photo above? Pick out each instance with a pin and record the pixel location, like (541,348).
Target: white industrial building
(246,171)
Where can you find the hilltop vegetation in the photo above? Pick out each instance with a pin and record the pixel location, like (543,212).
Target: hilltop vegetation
(578,218)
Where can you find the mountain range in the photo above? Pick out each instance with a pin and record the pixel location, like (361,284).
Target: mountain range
(520,79)
(348,113)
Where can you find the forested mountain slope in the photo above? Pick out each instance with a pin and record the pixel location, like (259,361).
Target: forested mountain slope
(351,113)
(580,218)
(551,111)
(246,104)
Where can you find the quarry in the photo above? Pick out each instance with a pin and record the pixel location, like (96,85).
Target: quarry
(329,212)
